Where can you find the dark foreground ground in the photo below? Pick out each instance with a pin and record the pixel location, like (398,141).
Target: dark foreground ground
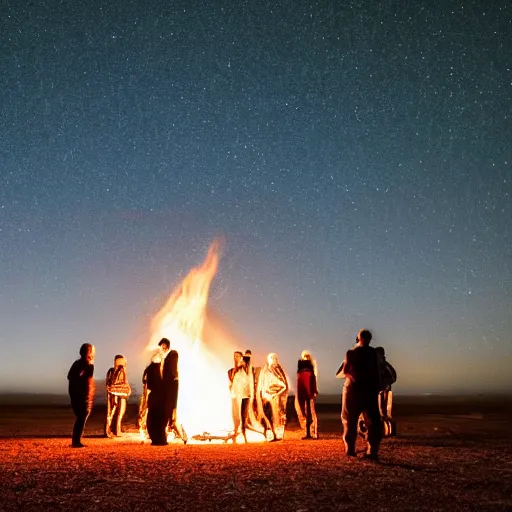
(450,454)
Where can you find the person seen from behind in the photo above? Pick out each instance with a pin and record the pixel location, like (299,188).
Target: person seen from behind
(360,395)
(305,395)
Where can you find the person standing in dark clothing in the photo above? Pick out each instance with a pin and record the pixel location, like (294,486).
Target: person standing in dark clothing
(162,384)
(156,403)
(81,390)
(360,395)
(170,376)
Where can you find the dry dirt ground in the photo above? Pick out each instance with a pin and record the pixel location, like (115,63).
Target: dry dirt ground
(451,454)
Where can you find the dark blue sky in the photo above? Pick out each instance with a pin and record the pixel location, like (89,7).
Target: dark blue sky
(356,156)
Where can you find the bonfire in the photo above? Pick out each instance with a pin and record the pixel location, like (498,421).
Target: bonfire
(205,355)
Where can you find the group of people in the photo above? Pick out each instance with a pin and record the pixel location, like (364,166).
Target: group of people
(82,389)
(259,395)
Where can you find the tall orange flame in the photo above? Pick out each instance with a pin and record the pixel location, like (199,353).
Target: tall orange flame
(204,403)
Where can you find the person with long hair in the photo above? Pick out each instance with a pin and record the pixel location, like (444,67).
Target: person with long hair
(306,393)
(273,393)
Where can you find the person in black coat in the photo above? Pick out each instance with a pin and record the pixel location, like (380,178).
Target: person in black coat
(163,384)
(171,385)
(81,391)
(156,403)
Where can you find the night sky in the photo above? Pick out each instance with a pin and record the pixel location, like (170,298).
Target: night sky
(355,156)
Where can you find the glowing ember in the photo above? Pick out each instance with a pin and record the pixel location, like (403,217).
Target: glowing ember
(205,353)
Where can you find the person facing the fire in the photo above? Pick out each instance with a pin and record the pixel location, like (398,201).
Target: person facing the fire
(170,376)
(143,403)
(273,393)
(156,403)
(81,391)
(305,395)
(360,395)
(162,385)
(241,387)
(118,391)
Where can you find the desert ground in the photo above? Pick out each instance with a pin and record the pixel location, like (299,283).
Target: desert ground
(451,453)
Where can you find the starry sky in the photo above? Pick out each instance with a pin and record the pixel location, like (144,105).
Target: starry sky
(354,155)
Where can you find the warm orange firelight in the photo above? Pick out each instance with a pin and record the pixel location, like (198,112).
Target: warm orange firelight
(204,402)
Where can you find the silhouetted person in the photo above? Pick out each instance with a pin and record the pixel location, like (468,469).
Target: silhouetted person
(118,391)
(170,376)
(162,384)
(305,395)
(156,420)
(360,395)
(81,390)
(157,417)
(387,379)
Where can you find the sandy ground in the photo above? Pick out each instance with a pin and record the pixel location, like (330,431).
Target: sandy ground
(450,454)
